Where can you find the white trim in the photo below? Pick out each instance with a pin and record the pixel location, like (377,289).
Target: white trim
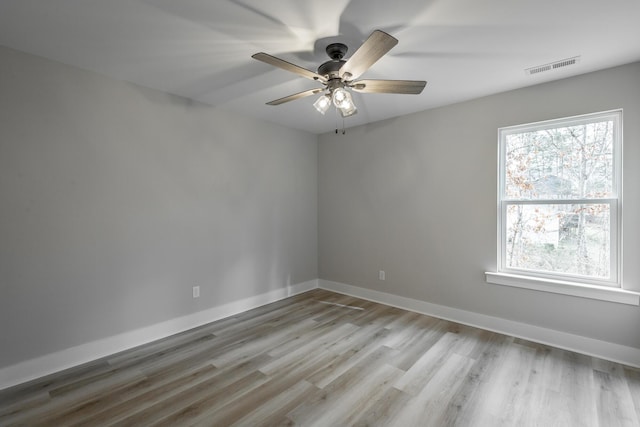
(592,347)
(54,362)
(74,356)
(615,203)
(602,293)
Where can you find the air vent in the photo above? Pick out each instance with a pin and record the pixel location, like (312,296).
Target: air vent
(552,66)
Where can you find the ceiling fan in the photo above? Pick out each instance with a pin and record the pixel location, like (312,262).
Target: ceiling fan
(338,75)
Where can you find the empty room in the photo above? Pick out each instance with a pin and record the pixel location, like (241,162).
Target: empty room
(338,213)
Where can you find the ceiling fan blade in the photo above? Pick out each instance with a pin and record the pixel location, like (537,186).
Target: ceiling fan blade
(374,48)
(413,87)
(288,66)
(295,96)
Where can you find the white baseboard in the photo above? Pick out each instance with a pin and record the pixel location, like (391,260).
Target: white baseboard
(58,361)
(74,356)
(604,350)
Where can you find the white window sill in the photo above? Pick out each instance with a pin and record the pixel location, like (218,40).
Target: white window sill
(602,293)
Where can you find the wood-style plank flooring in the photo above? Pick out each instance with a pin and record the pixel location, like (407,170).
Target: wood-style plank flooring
(325,359)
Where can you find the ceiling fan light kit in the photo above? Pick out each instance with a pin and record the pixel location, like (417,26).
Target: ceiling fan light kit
(338,75)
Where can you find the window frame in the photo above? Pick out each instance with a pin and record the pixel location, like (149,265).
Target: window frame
(551,279)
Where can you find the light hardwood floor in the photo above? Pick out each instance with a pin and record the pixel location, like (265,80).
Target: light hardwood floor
(325,359)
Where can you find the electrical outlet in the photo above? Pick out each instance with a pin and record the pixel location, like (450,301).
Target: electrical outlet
(381,275)
(196,291)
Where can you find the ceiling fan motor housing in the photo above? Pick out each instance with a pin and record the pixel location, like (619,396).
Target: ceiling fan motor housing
(336,52)
(331,68)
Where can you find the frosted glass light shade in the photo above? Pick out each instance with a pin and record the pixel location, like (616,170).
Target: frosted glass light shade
(341,98)
(349,110)
(322,104)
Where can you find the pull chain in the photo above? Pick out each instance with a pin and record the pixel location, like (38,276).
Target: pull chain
(344,131)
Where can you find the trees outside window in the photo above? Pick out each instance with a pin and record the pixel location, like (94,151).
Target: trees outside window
(559,196)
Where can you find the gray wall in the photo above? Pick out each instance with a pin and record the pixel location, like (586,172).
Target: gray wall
(416,197)
(115,200)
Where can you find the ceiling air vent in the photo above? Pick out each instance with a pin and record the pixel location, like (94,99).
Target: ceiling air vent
(552,66)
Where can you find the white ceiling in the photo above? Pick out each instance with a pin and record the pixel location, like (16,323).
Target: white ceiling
(201,49)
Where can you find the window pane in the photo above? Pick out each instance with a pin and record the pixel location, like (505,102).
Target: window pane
(571,162)
(559,238)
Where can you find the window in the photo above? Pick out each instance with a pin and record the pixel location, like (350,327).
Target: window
(560,199)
